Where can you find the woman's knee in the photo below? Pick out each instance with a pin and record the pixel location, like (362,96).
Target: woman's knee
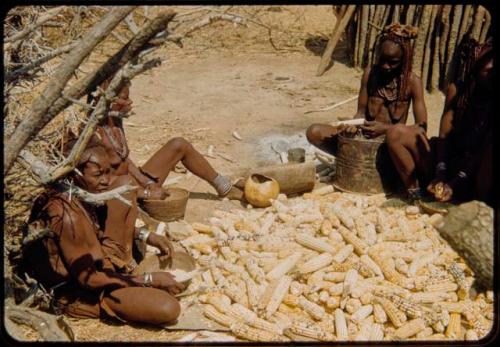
(314,133)
(179,144)
(395,134)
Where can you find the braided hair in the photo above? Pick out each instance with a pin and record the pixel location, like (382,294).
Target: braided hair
(402,35)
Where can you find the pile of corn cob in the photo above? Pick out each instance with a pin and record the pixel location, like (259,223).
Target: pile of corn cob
(334,266)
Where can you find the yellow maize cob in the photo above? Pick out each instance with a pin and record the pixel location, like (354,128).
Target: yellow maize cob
(379,314)
(291,300)
(284,267)
(341,325)
(316,263)
(253,334)
(313,243)
(315,311)
(442,287)
(410,328)
(396,316)
(454,330)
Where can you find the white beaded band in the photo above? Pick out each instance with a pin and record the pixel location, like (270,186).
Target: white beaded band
(462,174)
(148,279)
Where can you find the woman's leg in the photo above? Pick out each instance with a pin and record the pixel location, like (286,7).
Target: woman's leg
(324,137)
(179,149)
(144,305)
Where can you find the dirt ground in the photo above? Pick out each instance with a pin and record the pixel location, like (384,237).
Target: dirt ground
(203,93)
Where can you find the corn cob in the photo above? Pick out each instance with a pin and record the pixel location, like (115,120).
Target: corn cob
(410,328)
(335,276)
(335,237)
(217,275)
(281,320)
(420,262)
(453,330)
(228,254)
(393,313)
(278,294)
(430,297)
(388,269)
(422,335)
(313,243)
(210,312)
(442,287)
(459,275)
(352,329)
(364,331)
(202,228)
(471,335)
(253,334)
(343,267)
(315,311)
(296,288)
(333,302)
(344,218)
(376,333)
(291,300)
(368,262)
(326,227)
(366,298)
(343,253)
(323,296)
(229,267)
(253,292)
(379,314)
(362,313)
(360,246)
(254,270)
(341,325)
(437,336)
(306,330)
(236,292)
(401,266)
(316,263)
(409,308)
(284,267)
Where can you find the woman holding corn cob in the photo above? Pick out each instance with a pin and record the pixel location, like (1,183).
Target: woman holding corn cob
(457,164)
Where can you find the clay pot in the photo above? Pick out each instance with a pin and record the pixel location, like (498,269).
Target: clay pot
(260,189)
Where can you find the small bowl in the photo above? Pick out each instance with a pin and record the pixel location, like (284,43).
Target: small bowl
(172,208)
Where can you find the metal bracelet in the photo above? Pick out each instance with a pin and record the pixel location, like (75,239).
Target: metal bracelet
(462,174)
(143,234)
(147,192)
(148,279)
(441,166)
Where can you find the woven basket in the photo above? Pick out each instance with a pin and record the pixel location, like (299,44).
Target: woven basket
(170,209)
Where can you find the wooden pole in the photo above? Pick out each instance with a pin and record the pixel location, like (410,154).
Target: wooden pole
(410,13)
(362,37)
(327,55)
(478,22)
(428,48)
(418,52)
(464,25)
(356,40)
(452,41)
(435,73)
(486,26)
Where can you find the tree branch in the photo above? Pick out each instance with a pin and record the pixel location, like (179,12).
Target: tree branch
(27,30)
(39,115)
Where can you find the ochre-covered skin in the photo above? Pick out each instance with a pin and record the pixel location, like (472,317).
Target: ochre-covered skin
(82,255)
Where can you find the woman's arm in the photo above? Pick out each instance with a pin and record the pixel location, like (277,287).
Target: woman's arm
(363,95)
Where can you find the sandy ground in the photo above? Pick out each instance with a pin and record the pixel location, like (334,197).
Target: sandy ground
(204,95)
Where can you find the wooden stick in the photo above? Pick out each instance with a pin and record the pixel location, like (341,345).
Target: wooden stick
(363,34)
(464,25)
(477,22)
(327,55)
(435,72)
(29,29)
(35,120)
(420,41)
(486,26)
(452,41)
(428,48)
(334,105)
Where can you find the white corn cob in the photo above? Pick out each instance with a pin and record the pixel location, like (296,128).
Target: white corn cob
(335,237)
(343,253)
(362,313)
(454,330)
(284,267)
(253,292)
(350,280)
(379,314)
(410,328)
(388,269)
(202,228)
(409,308)
(323,296)
(341,325)
(336,289)
(296,288)
(304,329)
(316,263)
(315,311)
(207,278)
(422,335)
(333,302)
(212,313)
(335,276)
(352,329)
(368,262)
(442,287)
(236,292)
(364,331)
(281,320)
(366,298)
(471,335)
(401,265)
(278,294)
(291,300)
(459,276)
(344,217)
(376,333)
(228,254)
(360,246)
(217,275)
(430,297)
(326,227)
(420,262)
(437,336)
(229,267)
(393,313)
(253,334)
(254,270)
(313,243)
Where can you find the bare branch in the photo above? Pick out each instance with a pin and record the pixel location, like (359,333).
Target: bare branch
(38,115)
(26,31)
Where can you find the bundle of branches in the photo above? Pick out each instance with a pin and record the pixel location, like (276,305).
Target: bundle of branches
(440,30)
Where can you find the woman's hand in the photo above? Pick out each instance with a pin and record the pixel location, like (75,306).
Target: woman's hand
(167,282)
(152,193)
(443,192)
(374,128)
(163,244)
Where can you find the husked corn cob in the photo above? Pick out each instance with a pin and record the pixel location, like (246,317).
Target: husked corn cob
(313,243)
(388,269)
(344,218)
(303,329)
(254,270)
(253,292)
(395,315)
(471,335)
(420,262)
(410,328)
(409,308)
(217,275)
(430,297)
(202,228)
(366,298)
(454,330)
(341,325)
(422,335)
(343,253)
(362,313)
(228,254)
(316,263)
(442,287)
(236,293)
(335,276)
(350,280)
(207,278)
(333,302)
(281,320)
(459,276)
(360,246)
(253,334)
(212,313)
(326,227)
(315,311)
(376,333)
(352,305)
(284,267)
(291,300)
(379,314)
(323,296)
(278,294)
